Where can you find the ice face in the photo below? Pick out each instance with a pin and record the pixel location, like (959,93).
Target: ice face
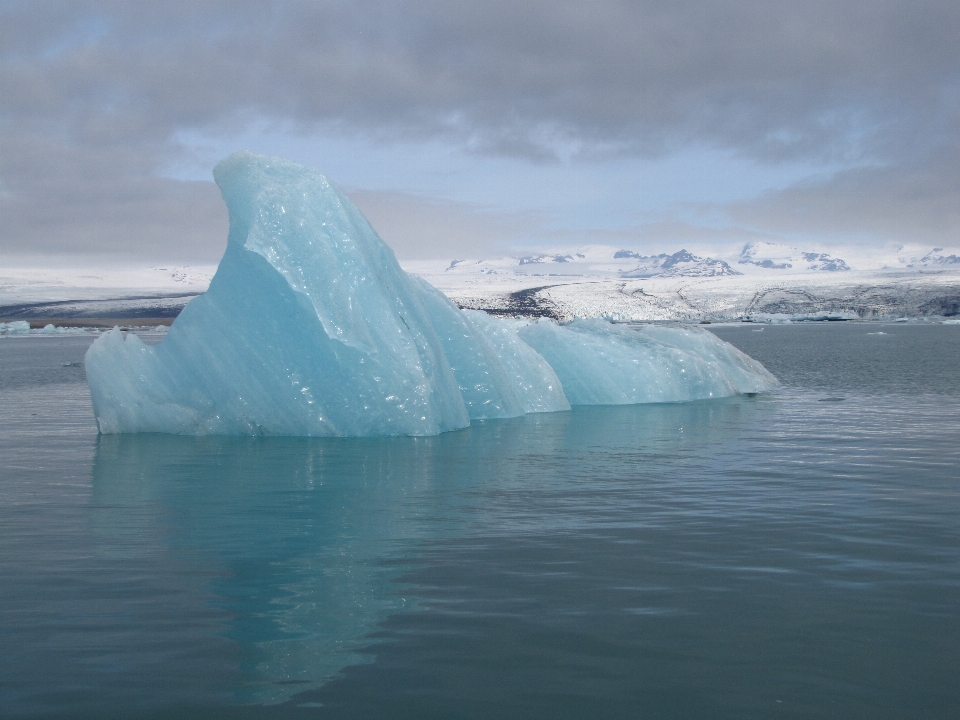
(499,375)
(310,327)
(600,363)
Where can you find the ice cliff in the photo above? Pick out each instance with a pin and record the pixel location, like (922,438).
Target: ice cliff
(310,327)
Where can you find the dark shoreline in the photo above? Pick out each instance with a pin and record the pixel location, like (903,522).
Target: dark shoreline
(95,322)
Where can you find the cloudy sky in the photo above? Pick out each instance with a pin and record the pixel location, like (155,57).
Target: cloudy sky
(465,129)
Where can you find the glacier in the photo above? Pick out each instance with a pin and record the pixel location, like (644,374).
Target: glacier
(310,327)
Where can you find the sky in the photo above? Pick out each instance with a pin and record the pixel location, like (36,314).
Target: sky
(478,129)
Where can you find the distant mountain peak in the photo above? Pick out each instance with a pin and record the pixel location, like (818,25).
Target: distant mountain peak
(536,259)
(681,264)
(934,258)
(773,256)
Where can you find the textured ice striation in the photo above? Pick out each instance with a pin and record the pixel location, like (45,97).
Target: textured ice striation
(310,327)
(499,375)
(600,363)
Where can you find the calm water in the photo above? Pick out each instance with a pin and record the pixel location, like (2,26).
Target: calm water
(786,555)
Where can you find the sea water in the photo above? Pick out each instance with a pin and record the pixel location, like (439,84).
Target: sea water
(791,554)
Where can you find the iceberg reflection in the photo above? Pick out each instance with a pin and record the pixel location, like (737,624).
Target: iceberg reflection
(293,539)
(281,555)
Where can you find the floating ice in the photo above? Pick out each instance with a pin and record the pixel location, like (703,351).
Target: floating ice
(600,363)
(22,327)
(310,327)
(15,327)
(499,375)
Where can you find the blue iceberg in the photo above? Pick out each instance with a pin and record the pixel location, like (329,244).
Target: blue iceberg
(600,363)
(310,327)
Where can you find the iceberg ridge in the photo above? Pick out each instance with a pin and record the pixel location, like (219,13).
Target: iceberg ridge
(310,327)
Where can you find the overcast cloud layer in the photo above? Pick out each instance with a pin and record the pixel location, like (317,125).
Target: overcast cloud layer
(94,96)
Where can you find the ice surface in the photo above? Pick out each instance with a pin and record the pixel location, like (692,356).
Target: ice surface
(16,327)
(499,375)
(600,363)
(310,327)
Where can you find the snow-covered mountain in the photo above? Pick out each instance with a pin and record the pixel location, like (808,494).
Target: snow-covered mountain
(774,256)
(599,260)
(595,280)
(936,257)
(680,264)
(759,280)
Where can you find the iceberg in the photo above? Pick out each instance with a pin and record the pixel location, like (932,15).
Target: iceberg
(499,375)
(310,327)
(601,363)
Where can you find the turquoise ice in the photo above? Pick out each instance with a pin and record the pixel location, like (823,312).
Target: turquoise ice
(600,363)
(310,327)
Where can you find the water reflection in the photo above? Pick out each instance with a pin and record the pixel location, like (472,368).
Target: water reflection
(291,545)
(294,537)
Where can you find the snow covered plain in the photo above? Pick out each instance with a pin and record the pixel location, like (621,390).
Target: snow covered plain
(765,282)
(761,282)
(92,294)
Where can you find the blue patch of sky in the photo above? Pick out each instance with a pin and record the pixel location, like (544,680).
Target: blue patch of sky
(613,193)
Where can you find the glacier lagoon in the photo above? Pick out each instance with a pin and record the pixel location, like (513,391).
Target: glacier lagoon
(310,327)
(791,553)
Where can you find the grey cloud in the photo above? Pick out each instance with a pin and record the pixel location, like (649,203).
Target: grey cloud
(419,228)
(768,77)
(62,201)
(907,203)
(110,83)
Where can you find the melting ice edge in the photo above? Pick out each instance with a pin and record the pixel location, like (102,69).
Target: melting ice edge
(310,327)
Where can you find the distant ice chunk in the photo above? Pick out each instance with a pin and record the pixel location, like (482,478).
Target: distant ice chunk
(15,327)
(600,363)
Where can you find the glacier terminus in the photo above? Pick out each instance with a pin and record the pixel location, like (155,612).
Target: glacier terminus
(310,327)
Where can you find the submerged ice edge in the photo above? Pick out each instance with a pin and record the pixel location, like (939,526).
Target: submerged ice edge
(310,327)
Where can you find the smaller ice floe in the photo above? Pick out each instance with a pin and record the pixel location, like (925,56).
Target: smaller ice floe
(22,327)
(951,322)
(599,363)
(51,329)
(16,327)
